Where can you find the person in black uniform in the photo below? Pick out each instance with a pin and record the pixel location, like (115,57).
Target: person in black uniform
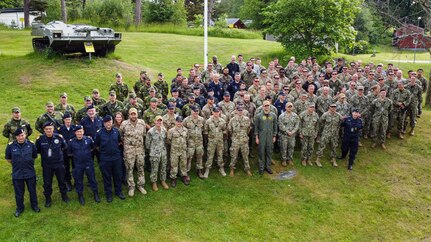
(81,147)
(21,154)
(68,133)
(108,140)
(352,126)
(51,145)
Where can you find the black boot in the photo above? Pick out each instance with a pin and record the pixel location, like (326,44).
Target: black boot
(96,197)
(69,186)
(65,198)
(48,201)
(81,199)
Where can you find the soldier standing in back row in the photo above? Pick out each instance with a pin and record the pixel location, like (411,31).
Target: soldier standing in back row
(120,88)
(50,115)
(15,123)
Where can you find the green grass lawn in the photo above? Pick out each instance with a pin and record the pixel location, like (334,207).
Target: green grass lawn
(386,197)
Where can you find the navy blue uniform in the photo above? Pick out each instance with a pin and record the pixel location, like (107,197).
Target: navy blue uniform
(180,103)
(81,150)
(218,90)
(108,143)
(91,126)
(281,106)
(67,134)
(232,88)
(22,158)
(201,101)
(352,128)
(51,151)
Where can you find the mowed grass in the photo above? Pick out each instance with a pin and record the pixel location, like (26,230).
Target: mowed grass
(386,197)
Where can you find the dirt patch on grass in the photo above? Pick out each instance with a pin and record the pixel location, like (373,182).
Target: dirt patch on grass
(25,79)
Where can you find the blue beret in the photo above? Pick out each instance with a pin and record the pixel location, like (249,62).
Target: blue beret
(90,107)
(66,115)
(195,108)
(226,94)
(174,90)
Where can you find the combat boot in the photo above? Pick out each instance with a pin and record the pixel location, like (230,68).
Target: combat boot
(334,162)
(207,172)
(284,163)
(131,192)
(360,144)
(365,136)
(200,175)
(388,135)
(142,190)
(96,197)
(81,199)
(383,146)
(174,183)
(318,162)
(185,180)
(48,201)
(373,145)
(164,185)
(232,173)
(412,132)
(222,172)
(304,162)
(65,198)
(290,162)
(154,186)
(309,162)
(272,162)
(401,136)
(249,173)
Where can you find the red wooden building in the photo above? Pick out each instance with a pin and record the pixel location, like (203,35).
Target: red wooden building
(411,36)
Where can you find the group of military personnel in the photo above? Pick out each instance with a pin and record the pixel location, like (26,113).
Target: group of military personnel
(215,113)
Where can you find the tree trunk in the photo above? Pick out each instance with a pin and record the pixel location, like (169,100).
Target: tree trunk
(64,11)
(138,13)
(27,13)
(210,10)
(428,96)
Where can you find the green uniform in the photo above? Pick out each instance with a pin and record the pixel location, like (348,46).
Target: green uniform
(330,126)
(111,108)
(177,138)
(122,90)
(56,118)
(287,123)
(238,128)
(399,112)
(195,128)
(11,126)
(308,129)
(98,102)
(156,143)
(163,88)
(138,107)
(68,108)
(150,115)
(265,128)
(380,110)
(215,129)
(412,110)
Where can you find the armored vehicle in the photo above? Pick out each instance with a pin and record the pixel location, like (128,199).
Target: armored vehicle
(72,38)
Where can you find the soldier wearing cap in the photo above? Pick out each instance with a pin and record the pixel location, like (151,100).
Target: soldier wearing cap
(187,109)
(81,148)
(51,145)
(50,115)
(177,139)
(288,126)
(111,107)
(107,142)
(195,124)
(141,81)
(352,126)
(92,122)
(151,113)
(227,105)
(120,88)
(133,103)
(21,154)
(308,129)
(14,123)
(133,131)
(215,131)
(362,103)
(239,127)
(412,110)
(329,123)
(343,107)
(97,99)
(401,98)
(185,90)
(162,86)
(67,130)
(144,91)
(82,113)
(64,106)
(281,102)
(151,94)
(265,131)
(156,143)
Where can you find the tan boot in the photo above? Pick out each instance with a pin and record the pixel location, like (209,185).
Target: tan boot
(290,162)
(318,162)
(131,192)
(154,187)
(164,185)
(284,163)
(373,145)
(222,172)
(334,162)
(412,132)
(142,190)
(309,162)
(401,136)
(232,173)
(383,146)
(360,144)
(249,173)
(272,162)
(304,162)
(388,135)
(207,172)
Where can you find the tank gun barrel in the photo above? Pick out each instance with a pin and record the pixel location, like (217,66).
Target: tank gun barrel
(86,29)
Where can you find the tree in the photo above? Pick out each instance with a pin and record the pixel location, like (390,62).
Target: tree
(138,12)
(11,4)
(312,27)
(64,11)
(229,7)
(193,7)
(27,13)
(252,9)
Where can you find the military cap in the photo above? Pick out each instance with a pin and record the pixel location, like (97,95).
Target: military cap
(216,109)
(132,95)
(160,74)
(78,127)
(90,107)
(303,94)
(210,97)
(196,88)
(153,100)
(195,108)
(133,110)
(118,75)
(66,115)
(18,131)
(16,110)
(210,90)
(333,105)
(48,123)
(170,106)
(151,89)
(172,100)
(266,103)
(107,118)
(191,96)
(214,57)
(239,102)
(268,97)
(380,64)
(174,90)
(159,118)
(158,95)
(63,94)
(355,110)
(240,108)
(282,94)
(289,104)
(400,82)
(342,95)
(49,104)
(179,118)
(142,72)
(95,90)
(87,98)
(242,89)
(112,93)
(360,87)
(226,94)
(312,105)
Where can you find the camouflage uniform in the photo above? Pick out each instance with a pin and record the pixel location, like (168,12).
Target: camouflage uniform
(287,123)
(163,88)
(300,106)
(399,113)
(150,115)
(330,124)
(177,138)
(156,143)
(169,120)
(412,110)
(98,102)
(343,108)
(226,107)
(380,110)
(195,140)
(308,129)
(138,107)
(11,126)
(68,108)
(56,116)
(187,109)
(215,129)
(144,91)
(248,77)
(238,128)
(122,90)
(322,104)
(207,111)
(111,108)
(134,151)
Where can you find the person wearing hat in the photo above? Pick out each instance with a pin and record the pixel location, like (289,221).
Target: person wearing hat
(146,89)
(64,106)
(215,131)
(265,131)
(309,126)
(227,105)
(112,106)
(14,123)
(151,113)
(156,143)
(133,131)
(401,99)
(217,66)
(288,126)
(133,103)
(141,81)
(323,101)
(97,99)
(107,142)
(381,107)
(208,108)
(343,107)
(81,148)
(187,108)
(179,102)
(21,154)
(199,99)
(120,88)
(239,127)
(248,74)
(177,139)
(50,115)
(415,89)
(361,102)
(92,123)
(51,147)
(296,91)
(206,74)
(352,127)
(67,130)
(82,113)
(329,123)
(162,86)
(195,125)
(335,83)
(281,102)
